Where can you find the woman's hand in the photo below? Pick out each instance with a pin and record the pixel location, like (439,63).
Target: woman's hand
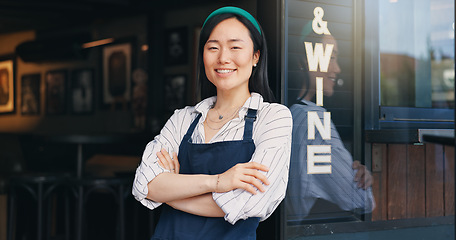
(166,162)
(363,176)
(243,175)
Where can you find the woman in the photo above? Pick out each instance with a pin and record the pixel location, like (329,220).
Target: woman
(349,183)
(221,166)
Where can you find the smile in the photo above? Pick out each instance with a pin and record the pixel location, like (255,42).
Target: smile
(224,70)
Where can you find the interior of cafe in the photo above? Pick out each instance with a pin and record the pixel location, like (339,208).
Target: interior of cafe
(85,85)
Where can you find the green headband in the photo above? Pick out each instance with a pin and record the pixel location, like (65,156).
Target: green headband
(234,10)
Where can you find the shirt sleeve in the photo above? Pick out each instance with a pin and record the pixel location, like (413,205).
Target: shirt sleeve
(169,139)
(272,137)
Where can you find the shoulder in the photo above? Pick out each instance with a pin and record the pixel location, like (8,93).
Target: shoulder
(274,109)
(304,108)
(181,114)
(274,115)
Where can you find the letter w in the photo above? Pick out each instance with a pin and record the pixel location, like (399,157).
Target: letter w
(315,57)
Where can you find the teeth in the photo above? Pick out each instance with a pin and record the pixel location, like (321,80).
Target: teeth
(224,71)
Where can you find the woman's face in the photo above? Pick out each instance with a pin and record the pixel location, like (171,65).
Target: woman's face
(228,56)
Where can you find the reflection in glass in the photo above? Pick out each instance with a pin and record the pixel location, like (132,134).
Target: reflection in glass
(340,188)
(417,53)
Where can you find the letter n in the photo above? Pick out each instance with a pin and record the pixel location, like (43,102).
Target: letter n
(314,121)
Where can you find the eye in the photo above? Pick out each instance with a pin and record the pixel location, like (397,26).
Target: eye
(212,48)
(236,47)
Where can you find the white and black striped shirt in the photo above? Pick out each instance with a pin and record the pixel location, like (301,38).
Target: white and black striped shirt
(272,138)
(337,187)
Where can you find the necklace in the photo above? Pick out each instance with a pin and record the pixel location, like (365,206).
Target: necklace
(220,116)
(209,126)
(221,120)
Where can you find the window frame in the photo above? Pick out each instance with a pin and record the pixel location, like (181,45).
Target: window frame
(387,117)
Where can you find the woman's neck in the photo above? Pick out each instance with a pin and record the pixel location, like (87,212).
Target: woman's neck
(227,100)
(309,95)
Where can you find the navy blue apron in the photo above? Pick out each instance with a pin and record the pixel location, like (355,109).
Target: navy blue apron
(213,158)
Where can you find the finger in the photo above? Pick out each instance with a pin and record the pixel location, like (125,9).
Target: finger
(163,160)
(361,183)
(248,188)
(359,174)
(356,164)
(254,182)
(168,159)
(160,162)
(258,175)
(176,163)
(258,166)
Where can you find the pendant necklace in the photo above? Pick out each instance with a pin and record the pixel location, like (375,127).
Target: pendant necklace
(221,117)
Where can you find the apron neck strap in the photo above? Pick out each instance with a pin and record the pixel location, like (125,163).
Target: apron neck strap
(191,128)
(249,118)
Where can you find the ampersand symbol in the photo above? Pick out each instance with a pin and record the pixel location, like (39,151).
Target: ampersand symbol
(318,25)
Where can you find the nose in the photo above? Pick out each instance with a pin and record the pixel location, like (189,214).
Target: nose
(335,68)
(224,56)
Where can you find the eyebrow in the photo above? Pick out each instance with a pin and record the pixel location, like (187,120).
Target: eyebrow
(231,40)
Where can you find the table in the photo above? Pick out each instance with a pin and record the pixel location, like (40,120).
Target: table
(84,139)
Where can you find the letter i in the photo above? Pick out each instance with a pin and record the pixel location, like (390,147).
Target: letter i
(319,90)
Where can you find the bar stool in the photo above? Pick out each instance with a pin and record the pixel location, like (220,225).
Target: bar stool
(41,188)
(119,188)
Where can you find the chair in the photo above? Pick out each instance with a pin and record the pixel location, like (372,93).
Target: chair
(115,188)
(42,190)
(30,193)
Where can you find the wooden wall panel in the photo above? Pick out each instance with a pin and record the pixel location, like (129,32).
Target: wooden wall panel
(416,179)
(413,181)
(434,180)
(449,180)
(397,181)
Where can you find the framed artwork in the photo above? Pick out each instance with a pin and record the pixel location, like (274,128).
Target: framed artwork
(55,92)
(117,65)
(7,98)
(82,91)
(30,94)
(175,92)
(176,44)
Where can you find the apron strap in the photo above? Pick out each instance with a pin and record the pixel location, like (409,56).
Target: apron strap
(249,118)
(188,135)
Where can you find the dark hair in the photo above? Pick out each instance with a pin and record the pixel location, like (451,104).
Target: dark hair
(258,81)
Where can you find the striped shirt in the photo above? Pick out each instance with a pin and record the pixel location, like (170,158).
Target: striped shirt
(337,187)
(272,138)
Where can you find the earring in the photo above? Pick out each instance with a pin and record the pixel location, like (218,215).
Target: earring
(254,65)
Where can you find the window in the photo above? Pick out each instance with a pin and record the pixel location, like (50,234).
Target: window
(416,48)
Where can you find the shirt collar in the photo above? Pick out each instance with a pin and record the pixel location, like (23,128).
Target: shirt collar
(254,102)
(309,103)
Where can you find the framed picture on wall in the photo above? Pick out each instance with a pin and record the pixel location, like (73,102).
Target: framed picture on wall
(82,91)
(175,92)
(7,87)
(30,94)
(176,51)
(55,92)
(116,67)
